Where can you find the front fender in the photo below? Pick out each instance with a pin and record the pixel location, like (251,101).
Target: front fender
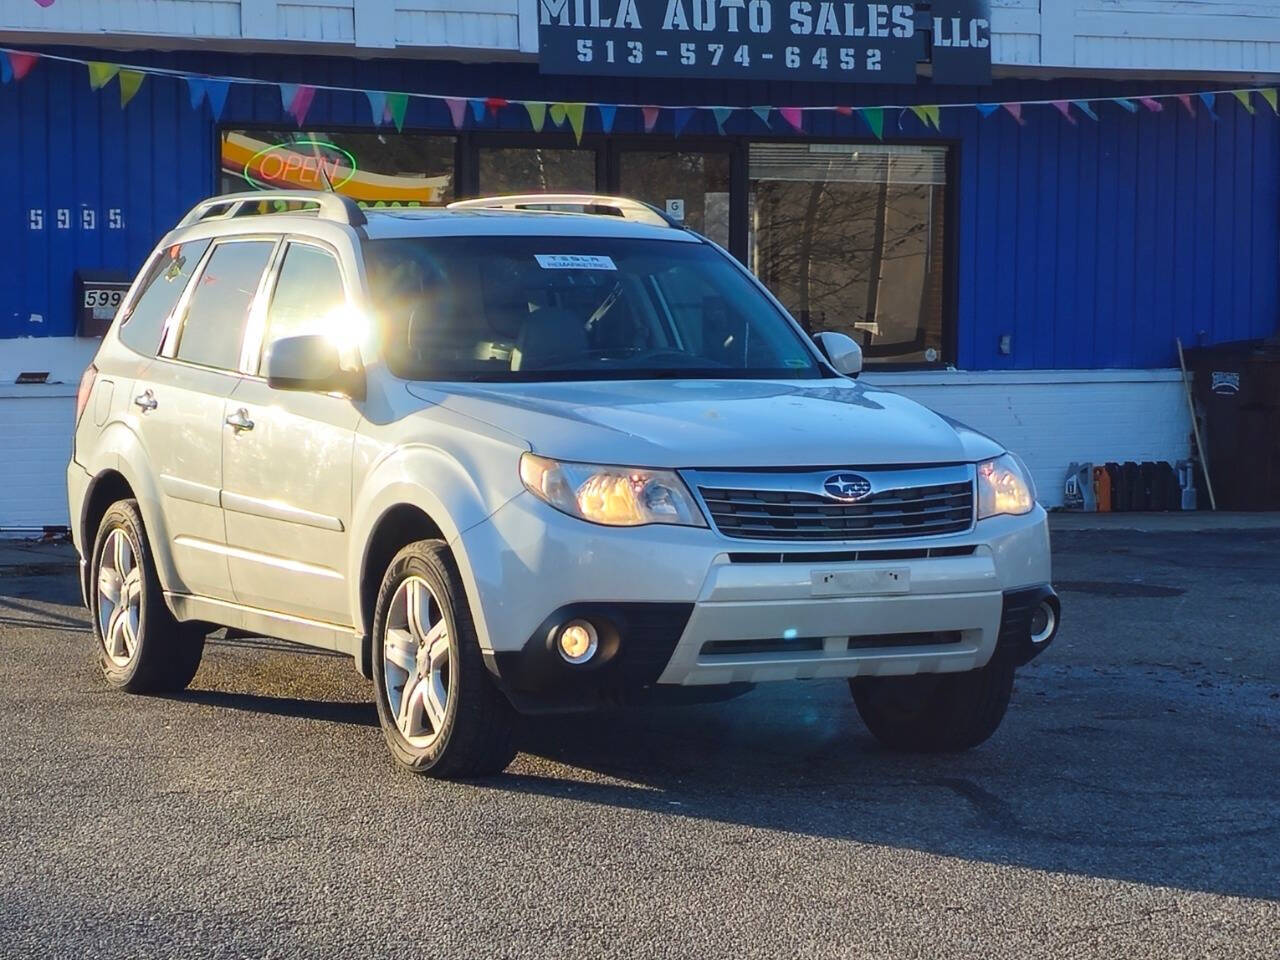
(453,497)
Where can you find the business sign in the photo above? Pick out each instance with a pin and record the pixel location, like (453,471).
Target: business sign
(833,42)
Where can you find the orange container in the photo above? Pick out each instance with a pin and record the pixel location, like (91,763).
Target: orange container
(1102,489)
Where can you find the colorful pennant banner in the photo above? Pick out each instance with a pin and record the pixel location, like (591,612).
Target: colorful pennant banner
(385,106)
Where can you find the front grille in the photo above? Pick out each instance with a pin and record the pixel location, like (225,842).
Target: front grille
(887,641)
(904,503)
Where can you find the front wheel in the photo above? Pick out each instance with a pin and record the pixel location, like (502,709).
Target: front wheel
(438,706)
(936,712)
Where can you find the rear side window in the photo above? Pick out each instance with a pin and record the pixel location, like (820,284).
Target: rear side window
(308,297)
(219,307)
(160,292)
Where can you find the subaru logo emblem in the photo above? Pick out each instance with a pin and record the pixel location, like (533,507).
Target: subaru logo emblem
(849,487)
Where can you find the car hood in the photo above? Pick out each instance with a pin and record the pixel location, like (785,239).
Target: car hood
(716,423)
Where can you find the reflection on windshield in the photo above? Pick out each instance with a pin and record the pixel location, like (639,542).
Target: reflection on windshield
(574,308)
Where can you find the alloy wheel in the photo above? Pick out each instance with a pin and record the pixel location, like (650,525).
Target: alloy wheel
(418,662)
(119,598)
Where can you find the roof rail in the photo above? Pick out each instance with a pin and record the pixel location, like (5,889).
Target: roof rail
(329,206)
(597,204)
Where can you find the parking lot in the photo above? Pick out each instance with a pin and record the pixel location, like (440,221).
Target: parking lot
(1128,807)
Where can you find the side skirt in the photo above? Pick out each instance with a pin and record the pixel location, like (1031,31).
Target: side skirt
(264,623)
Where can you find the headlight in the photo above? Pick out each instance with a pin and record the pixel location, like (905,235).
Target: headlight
(617,496)
(1004,486)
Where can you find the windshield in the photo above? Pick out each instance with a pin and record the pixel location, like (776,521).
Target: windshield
(574,308)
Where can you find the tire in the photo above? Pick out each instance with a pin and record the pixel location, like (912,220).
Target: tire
(439,709)
(142,648)
(935,713)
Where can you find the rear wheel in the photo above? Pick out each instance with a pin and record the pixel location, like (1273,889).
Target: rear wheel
(440,711)
(142,648)
(937,712)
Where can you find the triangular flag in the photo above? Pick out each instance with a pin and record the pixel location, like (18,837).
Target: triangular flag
(762,113)
(6,71)
(494,104)
(216,91)
(100,73)
(874,116)
(987,109)
(296,99)
(537,114)
(457,110)
(607,114)
(1185,100)
(1085,107)
(1015,111)
(1210,100)
(928,115)
(577,114)
(1064,108)
(844,111)
(1126,103)
(794,117)
(196,90)
(397,104)
(681,119)
(377,106)
(559,112)
(1245,100)
(1273,99)
(1155,106)
(22,63)
(650,115)
(478,108)
(721,114)
(130,82)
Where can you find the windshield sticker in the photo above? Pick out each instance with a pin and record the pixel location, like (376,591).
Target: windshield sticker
(573,261)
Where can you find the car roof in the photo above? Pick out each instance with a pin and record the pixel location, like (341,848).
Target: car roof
(443,222)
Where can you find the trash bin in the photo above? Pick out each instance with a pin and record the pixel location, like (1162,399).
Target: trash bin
(1237,391)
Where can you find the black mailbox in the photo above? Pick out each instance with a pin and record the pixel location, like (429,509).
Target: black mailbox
(98,295)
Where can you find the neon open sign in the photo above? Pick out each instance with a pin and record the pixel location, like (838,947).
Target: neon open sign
(326,165)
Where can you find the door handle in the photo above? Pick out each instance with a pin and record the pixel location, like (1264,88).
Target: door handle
(239,420)
(146,400)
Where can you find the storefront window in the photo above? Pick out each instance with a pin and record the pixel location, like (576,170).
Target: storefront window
(536,170)
(375,169)
(851,238)
(691,187)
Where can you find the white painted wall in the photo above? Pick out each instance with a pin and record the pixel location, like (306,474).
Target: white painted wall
(1216,36)
(1049,418)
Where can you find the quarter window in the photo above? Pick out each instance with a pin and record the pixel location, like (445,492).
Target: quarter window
(160,292)
(219,307)
(309,296)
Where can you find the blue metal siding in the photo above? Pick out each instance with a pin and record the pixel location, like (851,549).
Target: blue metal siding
(1091,245)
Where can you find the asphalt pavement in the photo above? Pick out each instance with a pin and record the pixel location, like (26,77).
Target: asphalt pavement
(1129,806)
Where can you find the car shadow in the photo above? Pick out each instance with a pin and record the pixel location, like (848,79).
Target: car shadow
(1040,796)
(331,711)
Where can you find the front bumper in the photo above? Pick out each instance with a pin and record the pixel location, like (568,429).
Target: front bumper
(747,613)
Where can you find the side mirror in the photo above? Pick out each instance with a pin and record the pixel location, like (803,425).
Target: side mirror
(310,363)
(843,352)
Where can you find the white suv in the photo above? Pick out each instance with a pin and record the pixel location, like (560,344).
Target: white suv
(532,454)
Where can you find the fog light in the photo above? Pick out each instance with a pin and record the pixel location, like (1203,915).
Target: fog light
(578,641)
(1044,621)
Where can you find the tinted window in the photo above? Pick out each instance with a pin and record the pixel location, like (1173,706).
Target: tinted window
(575,308)
(160,292)
(220,305)
(307,296)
